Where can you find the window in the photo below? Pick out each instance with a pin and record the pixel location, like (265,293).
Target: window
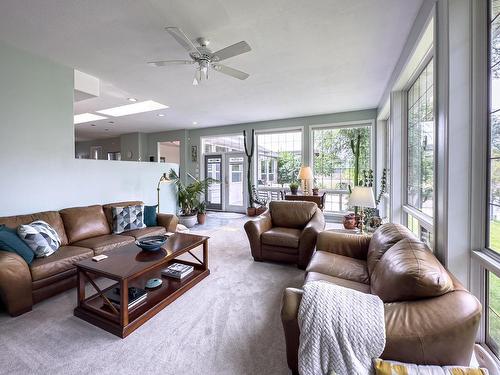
(493,312)
(333,161)
(420,143)
(279,158)
(224,143)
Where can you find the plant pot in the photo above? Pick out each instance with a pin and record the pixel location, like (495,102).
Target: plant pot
(260,210)
(188,221)
(315,191)
(251,211)
(202,218)
(350,221)
(294,190)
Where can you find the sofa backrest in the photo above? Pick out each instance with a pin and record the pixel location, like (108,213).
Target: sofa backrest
(108,209)
(51,217)
(408,271)
(384,238)
(291,214)
(84,222)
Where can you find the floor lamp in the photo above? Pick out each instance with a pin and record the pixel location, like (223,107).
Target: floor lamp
(163,178)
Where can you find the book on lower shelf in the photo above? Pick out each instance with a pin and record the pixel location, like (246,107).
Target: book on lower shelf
(136,296)
(177,270)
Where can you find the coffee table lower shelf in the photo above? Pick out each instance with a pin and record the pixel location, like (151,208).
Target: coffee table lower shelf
(95,311)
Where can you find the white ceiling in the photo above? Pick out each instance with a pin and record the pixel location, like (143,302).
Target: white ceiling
(307,58)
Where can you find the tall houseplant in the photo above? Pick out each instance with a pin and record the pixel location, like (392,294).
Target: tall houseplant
(189,197)
(249,153)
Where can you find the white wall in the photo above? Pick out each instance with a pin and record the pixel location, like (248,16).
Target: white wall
(37,149)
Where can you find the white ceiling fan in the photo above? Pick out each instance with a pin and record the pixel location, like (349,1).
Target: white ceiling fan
(204,58)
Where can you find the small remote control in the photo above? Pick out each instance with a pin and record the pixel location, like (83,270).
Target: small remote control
(98,258)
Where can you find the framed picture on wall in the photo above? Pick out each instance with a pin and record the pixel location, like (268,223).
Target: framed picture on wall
(194,153)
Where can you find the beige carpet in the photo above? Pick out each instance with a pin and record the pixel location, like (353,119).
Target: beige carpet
(227,324)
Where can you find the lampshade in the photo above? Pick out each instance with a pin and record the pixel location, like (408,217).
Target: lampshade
(305,173)
(362,197)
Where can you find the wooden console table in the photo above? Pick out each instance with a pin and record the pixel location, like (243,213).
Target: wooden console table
(318,199)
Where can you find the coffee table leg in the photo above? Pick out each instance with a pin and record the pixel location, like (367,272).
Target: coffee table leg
(205,255)
(81,287)
(124,302)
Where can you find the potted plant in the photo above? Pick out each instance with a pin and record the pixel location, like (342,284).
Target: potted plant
(202,212)
(189,198)
(294,187)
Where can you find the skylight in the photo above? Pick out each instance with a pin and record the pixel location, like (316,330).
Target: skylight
(86,117)
(130,109)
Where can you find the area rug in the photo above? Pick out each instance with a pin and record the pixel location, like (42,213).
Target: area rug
(227,324)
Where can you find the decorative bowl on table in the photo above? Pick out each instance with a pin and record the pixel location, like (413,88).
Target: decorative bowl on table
(152,243)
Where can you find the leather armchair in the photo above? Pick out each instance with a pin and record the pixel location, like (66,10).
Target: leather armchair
(286,232)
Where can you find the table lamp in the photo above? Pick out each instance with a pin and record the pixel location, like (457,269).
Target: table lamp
(163,178)
(306,174)
(362,197)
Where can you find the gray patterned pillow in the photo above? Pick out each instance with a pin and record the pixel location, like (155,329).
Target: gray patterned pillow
(128,218)
(40,237)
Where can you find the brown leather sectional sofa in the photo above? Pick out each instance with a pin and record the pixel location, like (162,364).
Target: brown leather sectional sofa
(430,318)
(286,232)
(84,232)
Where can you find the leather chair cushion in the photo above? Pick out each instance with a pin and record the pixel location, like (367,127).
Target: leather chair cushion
(145,232)
(283,237)
(104,243)
(84,222)
(316,276)
(108,209)
(383,238)
(53,218)
(339,266)
(291,214)
(409,271)
(62,260)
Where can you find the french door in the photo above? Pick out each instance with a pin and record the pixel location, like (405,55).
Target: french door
(213,169)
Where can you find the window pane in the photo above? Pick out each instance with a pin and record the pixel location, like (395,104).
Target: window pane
(282,151)
(493,312)
(420,143)
(225,143)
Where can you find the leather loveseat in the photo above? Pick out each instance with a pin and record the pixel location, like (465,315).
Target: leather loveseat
(286,232)
(84,232)
(429,316)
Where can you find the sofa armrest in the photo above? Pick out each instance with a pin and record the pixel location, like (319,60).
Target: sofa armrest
(254,229)
(289,312)
(15,283)
(308,238)
(346,244)
(168,221)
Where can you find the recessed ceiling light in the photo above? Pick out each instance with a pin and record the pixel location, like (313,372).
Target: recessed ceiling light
(133,100)
(86,117)
(161,114)
(130,109)
(195,123)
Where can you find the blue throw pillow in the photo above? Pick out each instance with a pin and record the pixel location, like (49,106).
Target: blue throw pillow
(150,216)
(10,241)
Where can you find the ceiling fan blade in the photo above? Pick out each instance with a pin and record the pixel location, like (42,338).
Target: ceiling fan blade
(231,51)
(182,39)
(230,71)
(170,62)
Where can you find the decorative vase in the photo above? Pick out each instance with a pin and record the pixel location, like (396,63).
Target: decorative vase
(251,211)
(188,221)
(350,221)
(260,210)
(294,190)
(202,218)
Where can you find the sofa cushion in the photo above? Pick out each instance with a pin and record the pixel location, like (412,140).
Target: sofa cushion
(84,222)
(284,237)
(384,238)
(316,276)
(128,218)
(339,266)
(10,241)
(145,232)
(108,209)
(291,214)
(409,271)
(61,261)
(40,237)
(104,243)
(53,218)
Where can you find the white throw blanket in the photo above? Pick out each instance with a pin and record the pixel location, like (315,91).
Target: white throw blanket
(341,330)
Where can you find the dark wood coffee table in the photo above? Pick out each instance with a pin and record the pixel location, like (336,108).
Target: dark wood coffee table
(130,266)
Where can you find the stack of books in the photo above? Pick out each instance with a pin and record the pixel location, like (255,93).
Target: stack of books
(177,270)
(136,296)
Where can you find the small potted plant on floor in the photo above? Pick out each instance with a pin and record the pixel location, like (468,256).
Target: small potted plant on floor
(294,187)
(202,212)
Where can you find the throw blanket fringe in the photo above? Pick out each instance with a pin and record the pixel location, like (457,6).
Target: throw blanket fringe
(341,330)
